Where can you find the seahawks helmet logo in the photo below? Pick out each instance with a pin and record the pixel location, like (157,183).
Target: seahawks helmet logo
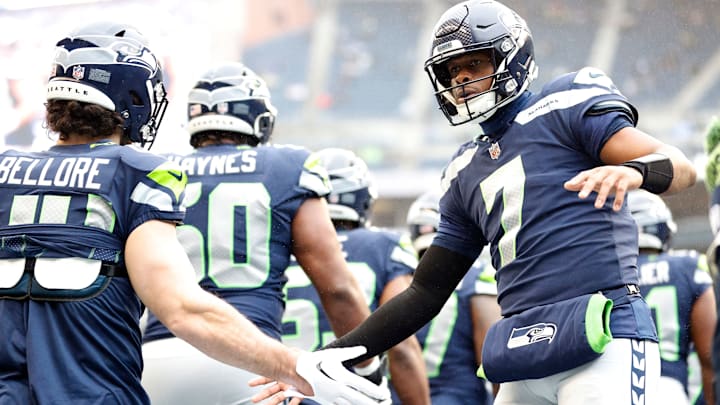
(528,335)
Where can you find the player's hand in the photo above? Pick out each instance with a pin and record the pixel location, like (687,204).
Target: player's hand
(274,393)
(606,181)
(331,382)
(712,139)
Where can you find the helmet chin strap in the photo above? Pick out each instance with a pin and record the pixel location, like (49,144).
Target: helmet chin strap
(484,102)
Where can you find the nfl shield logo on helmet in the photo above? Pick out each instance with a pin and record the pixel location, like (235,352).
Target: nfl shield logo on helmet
(78,72)
(494,151)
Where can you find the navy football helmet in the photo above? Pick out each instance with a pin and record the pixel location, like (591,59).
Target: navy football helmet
(231,97)
(110,65)
(481,25)
(654,220)
(353,191)
(423,219)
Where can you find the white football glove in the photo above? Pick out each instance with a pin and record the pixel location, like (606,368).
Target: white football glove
(375,372)
(333,384)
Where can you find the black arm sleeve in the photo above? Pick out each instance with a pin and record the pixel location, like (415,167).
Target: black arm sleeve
(438,273)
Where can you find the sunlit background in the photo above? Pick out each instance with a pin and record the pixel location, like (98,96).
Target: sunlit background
(348,73)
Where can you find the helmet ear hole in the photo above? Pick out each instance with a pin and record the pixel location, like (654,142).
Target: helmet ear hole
(265,125)
(136,99)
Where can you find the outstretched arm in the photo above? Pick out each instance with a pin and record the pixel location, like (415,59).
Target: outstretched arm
(163,278)
(407,366)
(437,275)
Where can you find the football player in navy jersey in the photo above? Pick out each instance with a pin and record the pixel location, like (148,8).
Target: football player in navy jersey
(381,260)
(452,342)
(543,184)
(250,204)
(677,287)
(87,231)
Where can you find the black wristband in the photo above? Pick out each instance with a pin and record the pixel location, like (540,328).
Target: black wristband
(656,170)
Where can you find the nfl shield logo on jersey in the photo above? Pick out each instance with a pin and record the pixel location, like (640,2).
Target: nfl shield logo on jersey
(494,151)
(78,72)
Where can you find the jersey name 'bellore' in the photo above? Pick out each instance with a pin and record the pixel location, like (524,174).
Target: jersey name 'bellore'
(66,172)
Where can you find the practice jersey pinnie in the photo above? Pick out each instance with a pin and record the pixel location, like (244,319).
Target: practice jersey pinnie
(671,283)
(448,342)
(240,205)
(374,256)
(546,243)
(70,210)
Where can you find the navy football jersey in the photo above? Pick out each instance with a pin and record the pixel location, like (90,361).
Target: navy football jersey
(507,191)
(240,205)
(71,208)
(448,343)
(374,256)
(671,283)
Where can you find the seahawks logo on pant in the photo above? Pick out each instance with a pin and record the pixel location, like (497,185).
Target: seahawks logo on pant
(532,334)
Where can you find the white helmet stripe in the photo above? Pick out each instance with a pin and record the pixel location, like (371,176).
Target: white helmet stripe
(65,89)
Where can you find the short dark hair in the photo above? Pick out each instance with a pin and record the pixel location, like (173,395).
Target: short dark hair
(217,137)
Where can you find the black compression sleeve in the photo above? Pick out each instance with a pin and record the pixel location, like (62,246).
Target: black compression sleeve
(438,273)
(657,172)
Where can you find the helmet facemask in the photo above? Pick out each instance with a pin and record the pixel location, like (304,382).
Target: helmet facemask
(481,104)
(158,106)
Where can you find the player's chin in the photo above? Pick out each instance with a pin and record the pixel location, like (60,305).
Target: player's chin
(464,98)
